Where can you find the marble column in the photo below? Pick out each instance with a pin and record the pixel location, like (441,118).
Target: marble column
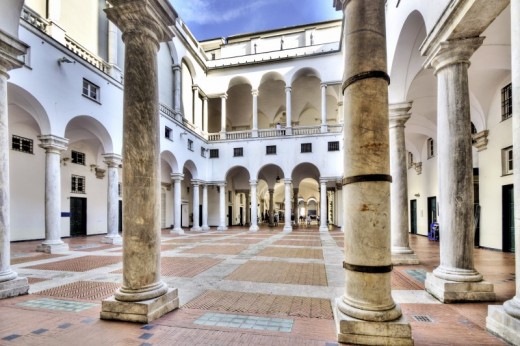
(205,117)
(504,320)
(323,108)
(254,209)
(287,226)
(196,226)
(53,146)
(323,206)
(177,92)
(288,111)
(295,207)
(223,116)
(401,252)
(340,112)
(143,296)
(248,218)
(205,226)
(222,208)
(113,161)
(456,278)
(271,207)
(196,114)
(254,129)
(177,203)
(11,284)
(366,313)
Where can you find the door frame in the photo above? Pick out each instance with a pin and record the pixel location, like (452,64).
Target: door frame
(84,219)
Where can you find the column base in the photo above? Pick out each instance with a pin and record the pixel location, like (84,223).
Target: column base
(222,228)
(53,248)
(287,229)
(402,258)
(354,331)
(141,312)
(454,291)
(503,325)
(205,228)
(178,231)
(324,228)
(196,229)
(113,239)
(254,228)
(15,287)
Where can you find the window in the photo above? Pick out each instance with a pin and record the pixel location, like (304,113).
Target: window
(78,158)
(25,145)
(507,102)
(334,146)
(203,151)
(167,133)
(90,90)
(77,184)
(410,160)
(306,147)
(213,153)
(190,144)
(229,196)
(237,152)
(119,189)
(507,161)
(431,150)
(270,150)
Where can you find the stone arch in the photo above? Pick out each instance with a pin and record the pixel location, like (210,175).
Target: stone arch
(237,177)
(271,100)
(270,173)
(306,97)
(239,104)
(85,127)
(191,168)
(30,105)
(305,170)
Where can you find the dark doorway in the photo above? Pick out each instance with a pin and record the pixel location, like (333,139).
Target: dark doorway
(508,219)
(241,216)
(200,214)
(120,216)
(432,211)
(413,216)
(230,216)
(78,216)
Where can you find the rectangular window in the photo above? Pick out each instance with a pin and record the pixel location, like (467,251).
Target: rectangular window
(410,160)
(507,161)
(213,153)
(25,145)
(237,152)
(77,184)
(334,146)
(270,150)
(91,90)
(167,132)
(306,147)
(431,148)
(119,189)
(78,158)
(507,102)
(229,196)
(203,152)
(190,144)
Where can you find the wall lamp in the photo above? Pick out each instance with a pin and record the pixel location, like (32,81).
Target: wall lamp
(65,60)
(184,133)
(417,195)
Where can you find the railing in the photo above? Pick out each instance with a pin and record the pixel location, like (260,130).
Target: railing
(239,135)
(270,133)
(34,19)
(167,110)
(306,130)
(213,137)
(84,53)
(335,128)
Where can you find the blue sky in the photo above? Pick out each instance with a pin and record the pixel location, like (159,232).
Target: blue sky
(221,18)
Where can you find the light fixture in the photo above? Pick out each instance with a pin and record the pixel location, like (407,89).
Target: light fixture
(277,178)
(184,133)
(417,195)
(65,60)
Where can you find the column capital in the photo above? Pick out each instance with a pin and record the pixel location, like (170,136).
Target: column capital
(221,184)
(271,191)
(253,182)
(12,48)
(399,113)
(323,181)
(150,17)
(451,52)
(196,182)
(204,98)
(224,96)
(287,181)
(323,85)
(112,160)
(53,143)
(480,140)
(176,67)
(254,92)
(288,89)
(340,4)
(340,103)
(195,87)
(177,176)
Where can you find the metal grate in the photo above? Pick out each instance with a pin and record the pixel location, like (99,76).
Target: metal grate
(87,290)
(422,318)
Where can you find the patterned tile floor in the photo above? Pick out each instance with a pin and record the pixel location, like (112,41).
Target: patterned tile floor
(235,288)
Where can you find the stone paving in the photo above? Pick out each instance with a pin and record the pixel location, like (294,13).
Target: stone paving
(235,288)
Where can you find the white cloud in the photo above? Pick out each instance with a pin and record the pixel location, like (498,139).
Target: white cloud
(207,12)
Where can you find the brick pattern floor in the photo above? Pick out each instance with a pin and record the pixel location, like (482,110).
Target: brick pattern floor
(217,249)
(281,273)
(183,266)
(37,256)
(263,304)
(86,290)
(294,242)
(81,264)
(240,241)
(289,252)
(402,281)
(33,280)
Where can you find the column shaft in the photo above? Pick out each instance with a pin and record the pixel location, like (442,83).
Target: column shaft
(177,91)
(323,206)
(288,110)
(223,116)
(254,210)
(177,203)
(401,252)
(205,117)
(271,207)
(295,207)
(287,224)
(196,113)
(255,113)
(196,226)
(222,208)
(323,107)
(113,237)
(205,226)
